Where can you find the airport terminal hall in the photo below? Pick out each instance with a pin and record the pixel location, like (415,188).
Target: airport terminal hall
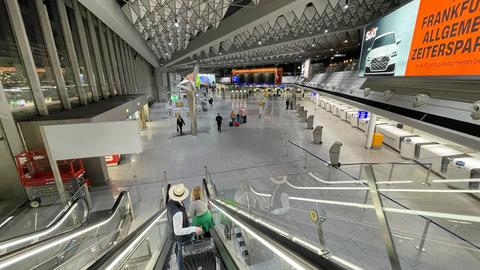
(240,134)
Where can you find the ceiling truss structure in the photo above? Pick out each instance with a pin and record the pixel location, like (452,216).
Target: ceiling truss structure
(312,29)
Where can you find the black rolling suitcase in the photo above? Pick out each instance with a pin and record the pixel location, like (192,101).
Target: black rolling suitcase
(199,254)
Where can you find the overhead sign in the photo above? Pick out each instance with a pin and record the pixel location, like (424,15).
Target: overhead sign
(440,38)
(174,98)
(362,114)
(92,139)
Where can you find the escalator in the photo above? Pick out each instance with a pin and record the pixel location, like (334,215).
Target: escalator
(242,239)
(240,242)
(73,241)
(30,225)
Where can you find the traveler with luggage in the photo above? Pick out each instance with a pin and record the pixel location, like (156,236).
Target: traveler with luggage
(219,122)
(243,114)
(178,217)
(199,211)
(180,124)
(239,118)
(233,115)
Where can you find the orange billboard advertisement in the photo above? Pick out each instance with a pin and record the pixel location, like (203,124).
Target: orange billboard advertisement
(446,39)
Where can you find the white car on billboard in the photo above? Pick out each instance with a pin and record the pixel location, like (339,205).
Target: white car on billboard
(382,55)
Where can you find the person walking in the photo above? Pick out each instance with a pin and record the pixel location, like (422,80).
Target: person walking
(219,122)
(243,114)
(288,103)
(233,115)
(210,100)
(180,124)
(178,218)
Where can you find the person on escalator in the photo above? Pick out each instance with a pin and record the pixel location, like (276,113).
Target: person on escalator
(177,215)
(199,211)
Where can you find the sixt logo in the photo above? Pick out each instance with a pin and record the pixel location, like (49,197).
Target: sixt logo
(372,33)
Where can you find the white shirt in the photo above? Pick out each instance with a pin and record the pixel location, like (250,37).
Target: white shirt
(178,228)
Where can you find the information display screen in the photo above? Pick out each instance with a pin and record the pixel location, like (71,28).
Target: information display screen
(424,38)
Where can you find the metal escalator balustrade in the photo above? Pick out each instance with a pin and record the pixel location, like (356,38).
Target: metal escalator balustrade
(75,249)
(72,216)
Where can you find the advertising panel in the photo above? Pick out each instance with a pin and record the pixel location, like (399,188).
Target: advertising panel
(424,38)
(386,43)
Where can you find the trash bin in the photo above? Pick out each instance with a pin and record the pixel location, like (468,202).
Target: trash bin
(377,141)
(334,153)
(310,122)
(303,116)
(317,134)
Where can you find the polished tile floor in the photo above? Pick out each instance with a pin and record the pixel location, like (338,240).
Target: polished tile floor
(257,150)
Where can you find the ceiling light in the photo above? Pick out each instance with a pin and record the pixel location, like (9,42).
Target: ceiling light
(259,43)
(313,45)
(170,43)
(346,41)
(331,50)
(326,30)
(346,4)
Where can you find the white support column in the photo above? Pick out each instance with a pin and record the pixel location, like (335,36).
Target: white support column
(126,67)
(26,54)
(119,63)
(92,80)
(106,57)
(52,52)
(370,130)
(72,55)
(133,71)
(114,61)
(97,55)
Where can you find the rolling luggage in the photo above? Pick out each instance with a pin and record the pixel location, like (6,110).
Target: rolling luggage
(236,123)
(230,124)
(200,254)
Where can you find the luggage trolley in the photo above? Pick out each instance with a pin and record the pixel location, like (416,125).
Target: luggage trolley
(37,178)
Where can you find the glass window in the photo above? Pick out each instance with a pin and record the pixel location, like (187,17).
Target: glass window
(78,51)
(40,55)
(67,71)
(12,72)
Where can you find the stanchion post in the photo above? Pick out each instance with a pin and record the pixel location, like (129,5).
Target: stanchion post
(136,187)
(305,163)
(164,188)
(382,219)
(391,173)
(424,237)
(429,171)
(360,173)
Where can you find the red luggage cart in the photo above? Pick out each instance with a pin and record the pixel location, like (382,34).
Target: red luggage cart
(36,176)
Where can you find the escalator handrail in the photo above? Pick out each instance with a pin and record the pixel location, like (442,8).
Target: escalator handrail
(298,250)
(35,248)
(49,231)
(122,250)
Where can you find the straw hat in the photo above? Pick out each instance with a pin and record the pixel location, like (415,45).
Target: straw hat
(178,192)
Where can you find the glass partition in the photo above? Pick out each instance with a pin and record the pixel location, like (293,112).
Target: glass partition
(331,210)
